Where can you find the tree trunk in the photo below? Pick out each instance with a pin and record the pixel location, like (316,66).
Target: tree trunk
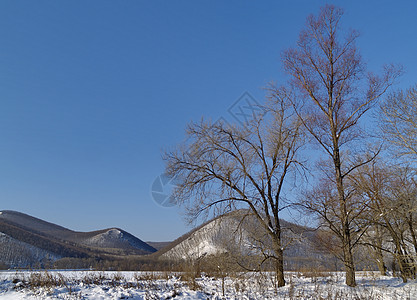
(348,261)
(279,268)
(413,234)
(279,252)
(379,259)
(279,255)
(403,268)
(346,238)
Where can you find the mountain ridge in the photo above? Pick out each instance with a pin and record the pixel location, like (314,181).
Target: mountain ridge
(59,241)
(40,242)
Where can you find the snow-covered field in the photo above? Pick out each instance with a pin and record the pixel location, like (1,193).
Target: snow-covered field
(159,285)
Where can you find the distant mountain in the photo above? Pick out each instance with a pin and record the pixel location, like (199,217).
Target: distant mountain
(159,245)
(42,240)
(238,232)
(112,238)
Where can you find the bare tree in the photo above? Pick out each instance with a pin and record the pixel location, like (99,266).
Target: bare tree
(323,201)
(375,239)
(391,196)
(223,168)
(331,92)
(398,121)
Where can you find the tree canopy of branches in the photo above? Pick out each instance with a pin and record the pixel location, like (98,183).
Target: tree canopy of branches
(391,194)
(398,121)
(331,91)
(222,168)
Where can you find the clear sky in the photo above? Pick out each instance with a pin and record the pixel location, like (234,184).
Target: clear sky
(92,91)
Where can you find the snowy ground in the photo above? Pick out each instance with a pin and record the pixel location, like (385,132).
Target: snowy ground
(146,285)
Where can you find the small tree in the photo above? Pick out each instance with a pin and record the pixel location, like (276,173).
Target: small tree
(223,168)
(331,92)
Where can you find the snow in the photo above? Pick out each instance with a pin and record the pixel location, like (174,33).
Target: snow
(215,237)
(162,285)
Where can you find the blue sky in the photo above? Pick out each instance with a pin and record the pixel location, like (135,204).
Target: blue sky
(92,91)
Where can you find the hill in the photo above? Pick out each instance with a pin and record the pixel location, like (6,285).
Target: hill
(40,240)
(239,233)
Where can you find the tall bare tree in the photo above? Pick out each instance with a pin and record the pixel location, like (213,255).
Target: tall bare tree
(223,168)
(398,121)
(331,92)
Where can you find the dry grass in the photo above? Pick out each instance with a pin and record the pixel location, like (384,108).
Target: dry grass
(305,284)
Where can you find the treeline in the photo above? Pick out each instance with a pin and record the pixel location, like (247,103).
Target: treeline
(205,264)
(224,262)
